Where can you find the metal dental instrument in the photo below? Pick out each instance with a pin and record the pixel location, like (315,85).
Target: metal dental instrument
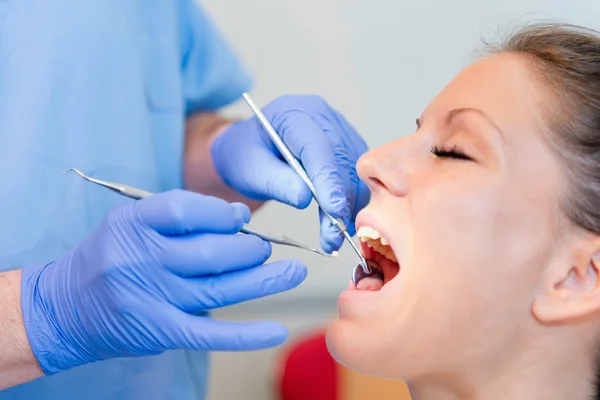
(358,274)
(295,165)
(121,189)
(283,240)
(138,194)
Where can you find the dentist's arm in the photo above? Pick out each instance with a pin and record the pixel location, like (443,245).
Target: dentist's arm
(17,362)
(200,175)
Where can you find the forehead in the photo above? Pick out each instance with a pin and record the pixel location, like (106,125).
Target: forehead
(502,85)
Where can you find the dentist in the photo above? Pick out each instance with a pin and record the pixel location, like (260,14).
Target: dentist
(105,298)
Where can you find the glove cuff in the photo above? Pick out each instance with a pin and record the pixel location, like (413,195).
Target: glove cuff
(40,324)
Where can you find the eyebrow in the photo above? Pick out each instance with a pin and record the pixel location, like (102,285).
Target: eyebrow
(457,111)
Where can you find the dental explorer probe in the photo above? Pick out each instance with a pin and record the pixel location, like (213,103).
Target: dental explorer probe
(295,165)
(137,194)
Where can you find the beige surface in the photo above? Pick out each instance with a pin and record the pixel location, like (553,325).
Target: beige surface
(355,386)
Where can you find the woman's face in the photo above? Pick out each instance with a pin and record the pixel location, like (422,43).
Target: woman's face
(472,228)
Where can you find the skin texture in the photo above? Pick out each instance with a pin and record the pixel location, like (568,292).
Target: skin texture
(497,292)
(17,362)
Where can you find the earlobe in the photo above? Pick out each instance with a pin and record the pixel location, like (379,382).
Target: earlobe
(573,296)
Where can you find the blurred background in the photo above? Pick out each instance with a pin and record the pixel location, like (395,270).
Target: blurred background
(379,62)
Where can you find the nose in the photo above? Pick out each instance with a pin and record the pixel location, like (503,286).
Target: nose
(383,169)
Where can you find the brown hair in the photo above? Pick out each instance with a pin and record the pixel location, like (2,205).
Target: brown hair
(567,60)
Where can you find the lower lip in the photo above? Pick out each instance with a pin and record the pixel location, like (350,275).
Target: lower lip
(352,294)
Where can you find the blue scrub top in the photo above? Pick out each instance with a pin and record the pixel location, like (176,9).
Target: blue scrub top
(103,86)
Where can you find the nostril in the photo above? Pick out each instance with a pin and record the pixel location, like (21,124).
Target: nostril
(393,182)
(378,182)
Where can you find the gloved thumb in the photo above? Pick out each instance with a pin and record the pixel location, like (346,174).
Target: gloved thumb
(180,212)
(271,179)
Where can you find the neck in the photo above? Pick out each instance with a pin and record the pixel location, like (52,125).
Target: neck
(544,371)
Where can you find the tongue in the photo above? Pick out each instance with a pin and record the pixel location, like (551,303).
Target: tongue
(370,283)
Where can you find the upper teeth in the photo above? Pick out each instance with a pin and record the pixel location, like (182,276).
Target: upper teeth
(377,242)
(366,233)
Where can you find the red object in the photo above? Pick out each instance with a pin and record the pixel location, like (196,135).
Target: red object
(308,371)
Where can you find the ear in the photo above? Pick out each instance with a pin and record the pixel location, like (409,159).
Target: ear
(572,290)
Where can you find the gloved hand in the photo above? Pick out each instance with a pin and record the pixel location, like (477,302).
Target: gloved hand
(133,286)
(320,137)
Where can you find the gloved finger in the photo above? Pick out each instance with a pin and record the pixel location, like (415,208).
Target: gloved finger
(356,147)
(244,210)
(180,212)
(307,141)
(269,178)
(239,286)
(357,143)
(363,197)
(331,239)
(330,236)
(213,254)
(202,333)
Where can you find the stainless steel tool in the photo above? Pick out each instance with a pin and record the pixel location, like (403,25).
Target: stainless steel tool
(295,165)
(134,193)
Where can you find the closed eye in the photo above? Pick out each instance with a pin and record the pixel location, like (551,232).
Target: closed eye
(450,152)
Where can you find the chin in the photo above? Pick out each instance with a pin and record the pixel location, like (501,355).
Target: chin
(354,347)
(372,339)
(344,345)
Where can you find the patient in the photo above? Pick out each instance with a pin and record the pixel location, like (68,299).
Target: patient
(486,225)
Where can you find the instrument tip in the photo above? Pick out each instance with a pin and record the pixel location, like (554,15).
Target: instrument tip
(78,172)
(366,267)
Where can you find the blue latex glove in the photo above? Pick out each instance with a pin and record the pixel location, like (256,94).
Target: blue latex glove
(320,137)
(133,286)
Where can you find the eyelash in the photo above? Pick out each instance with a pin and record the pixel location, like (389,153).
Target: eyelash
(450,152)
(445,151)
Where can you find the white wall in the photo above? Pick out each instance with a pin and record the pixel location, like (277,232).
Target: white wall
(379,62)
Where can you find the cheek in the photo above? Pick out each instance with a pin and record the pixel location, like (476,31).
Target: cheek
(486,234)
(477,252)
(455,231)
(472,248)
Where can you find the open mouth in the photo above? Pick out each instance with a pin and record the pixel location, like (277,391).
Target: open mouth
(376,249)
